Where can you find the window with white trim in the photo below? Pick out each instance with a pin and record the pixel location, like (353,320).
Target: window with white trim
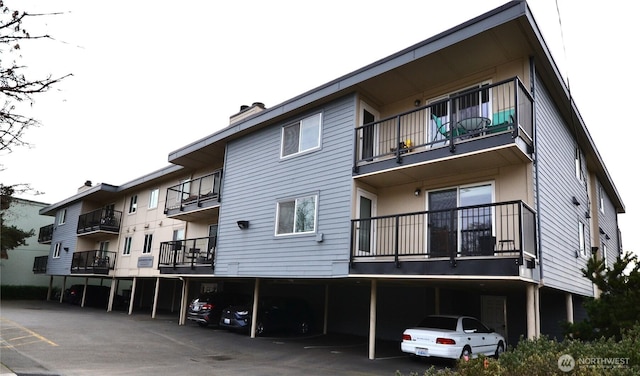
(578,163)
(297,216)
(153,198)
(301,136)
(148,239)
(600,199)
(62,216)
(126,250)
(604,253)
(133,204)
(56,250)
(582,239)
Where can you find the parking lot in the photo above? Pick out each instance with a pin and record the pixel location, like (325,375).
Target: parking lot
(49,338)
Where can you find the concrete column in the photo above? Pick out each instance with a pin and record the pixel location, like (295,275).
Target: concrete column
(436,304)
(532,315)
(536,295)
(372,319)
(184,301)
(50,288)
(569,304)
(254,309)
(112,294)
(84,291)
(155,298)
(64,287)
(326,309)
(133,294)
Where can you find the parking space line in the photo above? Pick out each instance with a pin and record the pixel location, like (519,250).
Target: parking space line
(15,325)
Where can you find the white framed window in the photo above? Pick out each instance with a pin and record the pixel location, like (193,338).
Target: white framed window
(582,248)
(126,250)
(104,246)
(578,164)
(604,253)
(301,136)
(297,215)
(133,204)
(600,199)
(62,216)
(153,198)
(148,239)
(56,250)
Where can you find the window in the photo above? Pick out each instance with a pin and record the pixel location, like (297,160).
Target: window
(301,136)
(148,238)
(578,162)
(127,246)
(153,198)
(56,250)
(62,216)
(604,253)
(133,204)
(581,236)
(296,216)
(104,246)
(601,199)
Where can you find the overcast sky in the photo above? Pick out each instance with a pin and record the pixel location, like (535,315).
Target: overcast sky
(150,77)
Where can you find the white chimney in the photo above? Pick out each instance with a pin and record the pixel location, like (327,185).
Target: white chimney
(246,111)
(87,185)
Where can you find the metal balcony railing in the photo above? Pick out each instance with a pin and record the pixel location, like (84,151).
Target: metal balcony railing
(196,191)
(499,229)
(93,262)
(197,252)
(100,220)
(45,235)
(480,112)
(40,264)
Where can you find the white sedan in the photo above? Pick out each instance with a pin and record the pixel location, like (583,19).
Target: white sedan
(452,337)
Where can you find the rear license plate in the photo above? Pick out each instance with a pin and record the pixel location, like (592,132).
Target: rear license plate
(227,321)
(422,351)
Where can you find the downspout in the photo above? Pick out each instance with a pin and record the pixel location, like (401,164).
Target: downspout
(532,65)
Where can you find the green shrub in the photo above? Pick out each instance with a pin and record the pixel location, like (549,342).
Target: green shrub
(14,292)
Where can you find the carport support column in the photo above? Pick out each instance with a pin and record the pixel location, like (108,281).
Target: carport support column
(326,309)
(50,288)
(133,294)
(84,292)
(372,319)
(112,294)
(184,301)
(254,309)
(155,298)
(64,287)
(569,303)
(533,312)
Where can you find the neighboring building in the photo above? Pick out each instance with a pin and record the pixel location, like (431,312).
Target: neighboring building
(455,176)
(17,269)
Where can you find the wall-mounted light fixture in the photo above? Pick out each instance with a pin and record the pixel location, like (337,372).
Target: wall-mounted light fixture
(607,237)
(417,192)
(575,201)
(243,225)
(417,102)
(66,249)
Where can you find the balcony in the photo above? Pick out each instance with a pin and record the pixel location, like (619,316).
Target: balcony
(196,199)
(93,262)
(100,221)
(489,117)
(45,235)
(483,240)
(40,264)
(190,256)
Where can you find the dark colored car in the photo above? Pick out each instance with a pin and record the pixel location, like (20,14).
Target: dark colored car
(207,308)
(274,314)
(97,296)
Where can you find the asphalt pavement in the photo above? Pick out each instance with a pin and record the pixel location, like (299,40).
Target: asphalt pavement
(50,338)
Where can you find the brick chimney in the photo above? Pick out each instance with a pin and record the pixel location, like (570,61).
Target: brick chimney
(246,111)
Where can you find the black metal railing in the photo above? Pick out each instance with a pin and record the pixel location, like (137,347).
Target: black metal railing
(499,229)
(196,191)
(189,252)
(487,110)
(45,235)
(104,219)
(40,264)
(93,262)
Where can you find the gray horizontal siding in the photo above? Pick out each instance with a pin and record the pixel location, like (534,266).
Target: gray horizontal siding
(608,222)
(558,215)
(255,178)
(65,234)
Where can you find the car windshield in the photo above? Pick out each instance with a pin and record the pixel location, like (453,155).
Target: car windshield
(438,322)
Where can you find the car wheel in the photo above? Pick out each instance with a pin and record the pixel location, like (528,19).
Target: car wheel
(203,324)
(499,349)
(304,327)
(259,328)
(466,353)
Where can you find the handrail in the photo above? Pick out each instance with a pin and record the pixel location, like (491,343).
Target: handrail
(195,191)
